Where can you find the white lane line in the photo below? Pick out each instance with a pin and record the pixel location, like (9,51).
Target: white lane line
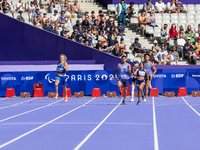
(3,99)
(18,103)
(96,128)
(191,107)
(156,147)
(30,111)
(43,125)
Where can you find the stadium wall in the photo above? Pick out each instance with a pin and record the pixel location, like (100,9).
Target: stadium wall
(23,42)
(106,2)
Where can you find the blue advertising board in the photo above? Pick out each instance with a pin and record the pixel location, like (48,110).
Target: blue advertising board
(164,80)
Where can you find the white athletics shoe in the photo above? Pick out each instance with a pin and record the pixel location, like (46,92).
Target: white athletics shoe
(132,100)
(145,100)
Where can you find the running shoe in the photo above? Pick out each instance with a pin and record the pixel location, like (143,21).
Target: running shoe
(65,99)
(138,102)
(123,102)
(145,100)
(56,96)
(143,96)
(132,100)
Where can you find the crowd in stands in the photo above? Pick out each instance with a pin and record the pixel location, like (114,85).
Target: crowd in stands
(101,33)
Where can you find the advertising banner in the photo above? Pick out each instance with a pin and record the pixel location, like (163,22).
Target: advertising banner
(164,80)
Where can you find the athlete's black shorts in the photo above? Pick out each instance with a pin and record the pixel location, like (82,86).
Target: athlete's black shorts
(149,78)
(134,80)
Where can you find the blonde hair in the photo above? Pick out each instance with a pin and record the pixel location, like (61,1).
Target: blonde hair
(63,56)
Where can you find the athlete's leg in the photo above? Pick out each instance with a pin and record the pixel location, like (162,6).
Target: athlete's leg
(132,92)
(146,89)
(141,87)
(65,88)
(56,87)
(125,92)
(119,84)
(138,91)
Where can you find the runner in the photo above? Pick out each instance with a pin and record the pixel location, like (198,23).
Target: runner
(62,67)
(123,76)
(148,65)
(141,73)
(133,84)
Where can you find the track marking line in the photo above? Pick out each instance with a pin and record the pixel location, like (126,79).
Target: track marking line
(191,107)
(43,125)
(96,128)
(26,112)
(156,147)
(3,99)
(17,103)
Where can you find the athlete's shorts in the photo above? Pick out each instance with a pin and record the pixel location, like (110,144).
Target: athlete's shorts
(139,82)
(149,78)
(134,80)
(61,79)
(124,82)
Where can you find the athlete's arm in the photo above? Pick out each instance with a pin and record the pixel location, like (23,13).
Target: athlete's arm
(155,70)
(135,72)
(115,72)
(129,68)
(66,66)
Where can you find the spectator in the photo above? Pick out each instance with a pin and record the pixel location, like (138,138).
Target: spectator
(20,18)
(115,48)
(160,53)
(170,58)
(77,24)
(137,48)
(110,24)
(190,49)
(130,11)
(165,60)
(7,7)
(148,7)
(64,32)
(44,4)
(35,13)
(95,32)
(179,7)
(197,33)
(80,30)
(92,20)
(101,12)
(47,26)
(122,44)
(113,31)
(68,9)
(44,18)
(151,20)
(155,47)
(180,44)
(86,42)
(90,27)
(181,31)
(79,39)
(103,28)
(62,19)
(36,4)
(173,34)
(191,35)
(111,41)
(171,8)
(77,8)
(1,9)
(101,19)
(38,20)
(92,15)
(120,29)
(74,35)
(99,46)
(55,30)
(96,23)
(152,59)
(196,30)
(164,34)
(21,7)
(121,10)
(160,7)
(189,28)
(143,22)
(175,55)
(85,24)
(89,39)
(103,38)
(108,20)
(86,15)
(54,18)
(31,7)
(197,45)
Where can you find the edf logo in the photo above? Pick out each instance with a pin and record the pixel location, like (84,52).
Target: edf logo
(177,75)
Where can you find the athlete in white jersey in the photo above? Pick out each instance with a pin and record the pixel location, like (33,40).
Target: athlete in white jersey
(123,76)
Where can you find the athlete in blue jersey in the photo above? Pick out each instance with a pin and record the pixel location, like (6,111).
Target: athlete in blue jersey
(62,67)
(151,69)
(123,76)
(141,73)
